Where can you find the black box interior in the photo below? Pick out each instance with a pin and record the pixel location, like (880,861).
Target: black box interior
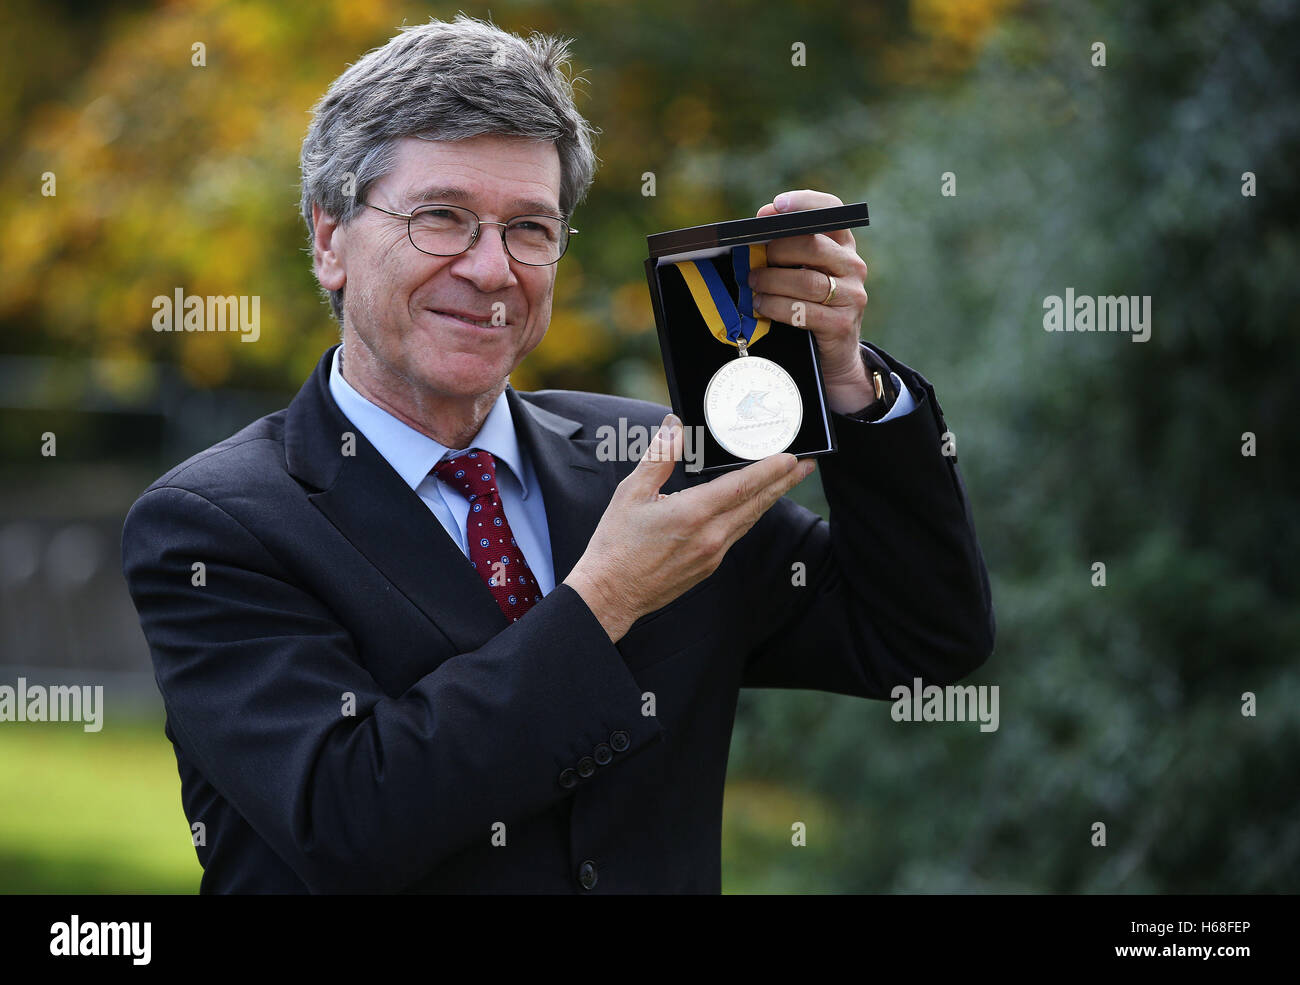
(692,355)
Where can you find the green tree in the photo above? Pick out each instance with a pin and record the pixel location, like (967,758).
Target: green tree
(1120,704)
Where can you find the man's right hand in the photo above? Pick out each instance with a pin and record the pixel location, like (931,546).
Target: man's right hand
(649,547)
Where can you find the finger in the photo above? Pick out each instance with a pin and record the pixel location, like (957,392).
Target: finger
(730,492)
(808,284)
(812,316)
(818,250)
(657,463)
(796,200)
(731,489)
(744,516)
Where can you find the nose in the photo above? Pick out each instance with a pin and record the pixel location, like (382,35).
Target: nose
(486,264)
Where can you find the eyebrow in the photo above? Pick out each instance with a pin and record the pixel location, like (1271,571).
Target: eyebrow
(454,195)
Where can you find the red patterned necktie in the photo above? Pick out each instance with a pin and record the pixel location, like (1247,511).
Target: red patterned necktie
(493,552)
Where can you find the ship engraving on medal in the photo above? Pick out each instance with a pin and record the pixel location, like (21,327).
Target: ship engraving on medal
(752,407)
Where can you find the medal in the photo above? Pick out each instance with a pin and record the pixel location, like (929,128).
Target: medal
(751,405)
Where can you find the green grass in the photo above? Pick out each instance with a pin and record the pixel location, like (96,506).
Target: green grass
(758,854)
(101,813)
(92,812)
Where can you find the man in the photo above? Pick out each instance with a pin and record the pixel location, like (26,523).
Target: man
(353,706)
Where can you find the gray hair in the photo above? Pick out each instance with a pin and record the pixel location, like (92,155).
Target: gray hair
(441,81)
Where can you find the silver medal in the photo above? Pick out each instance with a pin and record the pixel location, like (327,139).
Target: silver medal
(752,407)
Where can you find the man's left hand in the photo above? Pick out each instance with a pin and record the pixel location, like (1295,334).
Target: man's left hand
(836,321)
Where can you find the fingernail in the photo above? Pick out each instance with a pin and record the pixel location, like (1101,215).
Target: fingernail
(757,298)
(808,468)
(782,202)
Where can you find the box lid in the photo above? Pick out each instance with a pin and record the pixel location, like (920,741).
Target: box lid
(736,232)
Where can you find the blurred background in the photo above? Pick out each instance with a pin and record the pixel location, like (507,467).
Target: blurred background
(1119,704)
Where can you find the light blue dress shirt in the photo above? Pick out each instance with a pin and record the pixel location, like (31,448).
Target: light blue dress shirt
(413,456)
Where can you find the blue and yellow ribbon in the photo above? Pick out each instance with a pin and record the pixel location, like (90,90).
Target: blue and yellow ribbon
(729,321)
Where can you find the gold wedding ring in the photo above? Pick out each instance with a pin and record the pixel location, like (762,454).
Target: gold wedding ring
(831,292)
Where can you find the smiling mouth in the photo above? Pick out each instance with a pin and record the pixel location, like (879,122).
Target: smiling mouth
(475,322)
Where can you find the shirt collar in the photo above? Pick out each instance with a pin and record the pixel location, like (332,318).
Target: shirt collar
(412,454)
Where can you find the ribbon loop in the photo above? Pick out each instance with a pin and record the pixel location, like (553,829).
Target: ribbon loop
(729,321)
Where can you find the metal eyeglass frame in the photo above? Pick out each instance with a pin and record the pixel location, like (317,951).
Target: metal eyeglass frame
(478,225)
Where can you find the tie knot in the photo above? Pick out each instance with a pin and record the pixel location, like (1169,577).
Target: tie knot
(473,473)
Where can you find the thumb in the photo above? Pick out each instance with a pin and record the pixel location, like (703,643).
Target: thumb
(657,463)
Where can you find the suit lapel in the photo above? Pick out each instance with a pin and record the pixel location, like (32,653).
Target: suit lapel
(576,487)
(383,518)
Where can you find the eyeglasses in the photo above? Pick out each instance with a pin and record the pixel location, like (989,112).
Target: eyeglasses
(449,230)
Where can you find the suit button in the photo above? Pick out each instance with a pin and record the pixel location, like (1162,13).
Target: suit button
(586,766)
(603,754)
(587,874)
(619,740)
(568,779)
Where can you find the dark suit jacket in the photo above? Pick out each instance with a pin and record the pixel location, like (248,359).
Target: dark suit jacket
(325,580)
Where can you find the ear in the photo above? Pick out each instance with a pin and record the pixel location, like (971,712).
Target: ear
(327,249)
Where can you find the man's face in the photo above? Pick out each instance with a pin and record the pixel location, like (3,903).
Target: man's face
(402,304)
